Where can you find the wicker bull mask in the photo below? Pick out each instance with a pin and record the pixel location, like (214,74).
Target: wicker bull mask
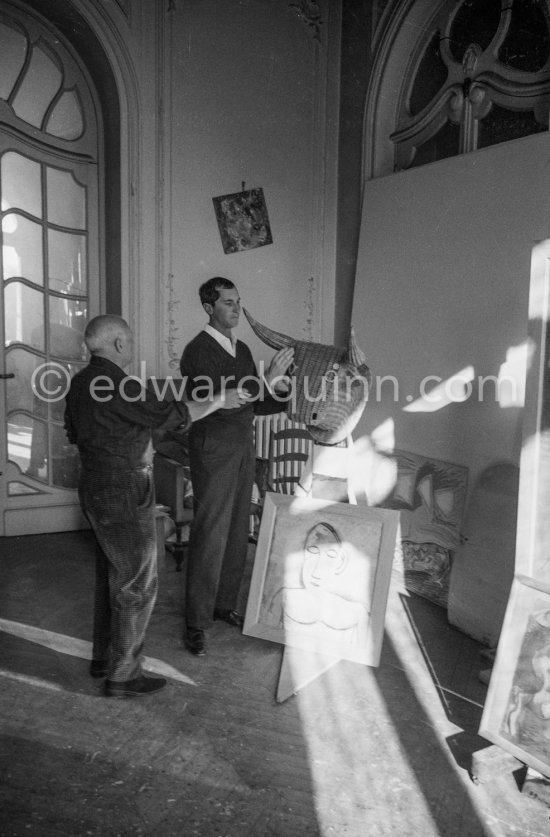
(330,384)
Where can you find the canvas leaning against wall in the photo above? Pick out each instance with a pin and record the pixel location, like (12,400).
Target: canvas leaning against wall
(517,710)
(431,496)
(321,576)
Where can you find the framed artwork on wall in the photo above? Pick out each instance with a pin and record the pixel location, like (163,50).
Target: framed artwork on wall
(243,221)
(516,715)
(321,576)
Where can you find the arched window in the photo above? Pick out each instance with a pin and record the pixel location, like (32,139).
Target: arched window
(480,75)
(51,264)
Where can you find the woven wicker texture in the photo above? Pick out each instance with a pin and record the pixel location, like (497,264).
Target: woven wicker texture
(329,390)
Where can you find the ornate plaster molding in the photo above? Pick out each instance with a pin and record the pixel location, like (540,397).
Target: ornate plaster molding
(311,294)
(124,6)
(171,339)
(310,12)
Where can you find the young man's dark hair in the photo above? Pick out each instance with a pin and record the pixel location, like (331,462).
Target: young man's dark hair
(209,292)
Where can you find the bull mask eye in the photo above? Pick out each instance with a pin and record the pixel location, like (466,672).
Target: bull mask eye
(330,376)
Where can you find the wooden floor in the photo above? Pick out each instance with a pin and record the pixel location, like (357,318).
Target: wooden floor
(358,752)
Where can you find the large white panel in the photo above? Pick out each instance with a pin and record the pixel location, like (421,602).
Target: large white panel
(442,286)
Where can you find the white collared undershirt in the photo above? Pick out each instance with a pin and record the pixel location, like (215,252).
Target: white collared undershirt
(227,343)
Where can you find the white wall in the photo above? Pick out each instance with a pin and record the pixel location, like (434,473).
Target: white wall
(249,96)
(215,93)
(442,284)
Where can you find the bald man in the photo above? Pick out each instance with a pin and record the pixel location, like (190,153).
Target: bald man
(110,417)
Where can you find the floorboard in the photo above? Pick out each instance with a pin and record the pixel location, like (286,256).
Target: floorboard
(358,752)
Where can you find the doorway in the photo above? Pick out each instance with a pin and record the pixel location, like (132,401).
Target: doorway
(52,265)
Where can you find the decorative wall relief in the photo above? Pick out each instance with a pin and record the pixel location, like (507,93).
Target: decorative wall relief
(309,328)
(173,354)
(310,13)
(124,6)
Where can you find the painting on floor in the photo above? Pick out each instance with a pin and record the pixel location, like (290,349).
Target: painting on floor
(431,496)
(321,576)
(516,715)
(242,220)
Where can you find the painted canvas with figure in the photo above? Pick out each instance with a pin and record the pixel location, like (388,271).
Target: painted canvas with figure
(517,710)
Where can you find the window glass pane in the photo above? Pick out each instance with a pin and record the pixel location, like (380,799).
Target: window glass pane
(527,46)
(430,78)
(67,324)
(443,144)
(65,459)
(15,489)
(67,262)
(22,248)
(66,200)
(66,119)
(21,184)
(28,445)
(13,47)
(26,434)
(24,315)
(19,393)
(501,125)
(35,400)
(56,384)
(476,22)
(41,83)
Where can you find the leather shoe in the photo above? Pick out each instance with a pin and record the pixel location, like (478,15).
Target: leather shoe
(194,641)
(137,687)
(232,617)
(98,668)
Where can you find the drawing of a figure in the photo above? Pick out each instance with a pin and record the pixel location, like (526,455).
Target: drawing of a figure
(322,605)
(528,716)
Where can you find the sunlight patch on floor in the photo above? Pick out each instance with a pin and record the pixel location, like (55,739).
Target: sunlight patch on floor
(82,648)
(31,681)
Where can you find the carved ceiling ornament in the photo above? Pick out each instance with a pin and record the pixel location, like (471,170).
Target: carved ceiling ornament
(498,66)
(310,12)
(124,6)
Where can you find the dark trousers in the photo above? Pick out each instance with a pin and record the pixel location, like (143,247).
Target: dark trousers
(222,474)
(121,511)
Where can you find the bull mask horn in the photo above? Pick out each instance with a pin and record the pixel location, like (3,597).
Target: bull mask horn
(355,356)
(271,338)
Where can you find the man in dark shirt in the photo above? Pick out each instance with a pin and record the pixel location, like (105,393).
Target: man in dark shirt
(110,417)
(222,460)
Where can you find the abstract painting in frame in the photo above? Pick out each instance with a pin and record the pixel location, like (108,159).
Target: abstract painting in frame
(321,576)
(243,221)
(516,715)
